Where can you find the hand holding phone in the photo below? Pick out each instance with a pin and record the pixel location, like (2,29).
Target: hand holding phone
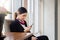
(28,28)
(31,25)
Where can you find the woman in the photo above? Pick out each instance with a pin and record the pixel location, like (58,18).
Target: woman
(20,25)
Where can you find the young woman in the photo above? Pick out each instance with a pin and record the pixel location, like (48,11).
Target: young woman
(20,25)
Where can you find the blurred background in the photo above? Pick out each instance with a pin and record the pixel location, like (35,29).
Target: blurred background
(44,14)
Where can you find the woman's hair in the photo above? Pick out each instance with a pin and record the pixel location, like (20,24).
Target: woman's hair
(15,15)
(22,10)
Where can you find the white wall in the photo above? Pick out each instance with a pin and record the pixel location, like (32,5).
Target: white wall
(49,19)
(58,19)
(6,4)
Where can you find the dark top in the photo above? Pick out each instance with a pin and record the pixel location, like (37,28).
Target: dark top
(15,26)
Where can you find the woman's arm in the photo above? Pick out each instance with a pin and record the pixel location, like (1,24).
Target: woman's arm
(27,29)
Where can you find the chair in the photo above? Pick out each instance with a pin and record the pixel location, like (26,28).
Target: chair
(7,24)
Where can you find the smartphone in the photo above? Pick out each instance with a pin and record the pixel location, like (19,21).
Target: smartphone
(31,25)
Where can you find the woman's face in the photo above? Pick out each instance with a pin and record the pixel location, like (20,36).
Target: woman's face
(22,16)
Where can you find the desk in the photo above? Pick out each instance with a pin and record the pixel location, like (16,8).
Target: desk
(17,35)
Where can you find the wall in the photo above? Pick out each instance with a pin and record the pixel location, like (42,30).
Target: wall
(49,19)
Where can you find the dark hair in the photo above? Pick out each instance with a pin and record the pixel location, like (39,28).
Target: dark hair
(22,10)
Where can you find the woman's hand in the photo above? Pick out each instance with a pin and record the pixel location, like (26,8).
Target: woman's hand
(34,38)
(27,29)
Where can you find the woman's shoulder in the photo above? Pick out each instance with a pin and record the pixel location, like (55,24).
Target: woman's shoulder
(14,22)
